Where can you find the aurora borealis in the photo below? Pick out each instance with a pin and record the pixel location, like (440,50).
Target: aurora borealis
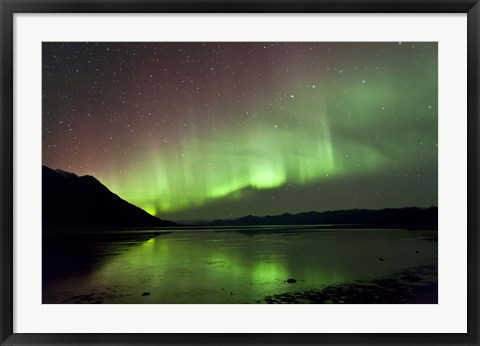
(215,130)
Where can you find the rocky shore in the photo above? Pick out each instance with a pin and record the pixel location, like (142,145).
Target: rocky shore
(413,286)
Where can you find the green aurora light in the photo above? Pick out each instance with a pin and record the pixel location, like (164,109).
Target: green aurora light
(280,118)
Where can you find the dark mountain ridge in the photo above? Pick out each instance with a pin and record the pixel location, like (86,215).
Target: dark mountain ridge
(71,201)
(408,218)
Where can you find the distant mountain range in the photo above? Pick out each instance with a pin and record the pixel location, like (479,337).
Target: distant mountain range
(70,201)
(408,218)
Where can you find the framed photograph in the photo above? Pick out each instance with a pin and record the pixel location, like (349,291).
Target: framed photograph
(239,173)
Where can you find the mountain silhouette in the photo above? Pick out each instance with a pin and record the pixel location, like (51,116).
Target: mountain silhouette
(408,218)
(71,201)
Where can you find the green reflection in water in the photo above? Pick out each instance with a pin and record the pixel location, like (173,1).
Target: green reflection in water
(235,268)
(230,267)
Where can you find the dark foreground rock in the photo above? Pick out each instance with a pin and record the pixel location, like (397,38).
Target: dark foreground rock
(413,286)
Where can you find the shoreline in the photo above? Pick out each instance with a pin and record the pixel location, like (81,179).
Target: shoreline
(411,286)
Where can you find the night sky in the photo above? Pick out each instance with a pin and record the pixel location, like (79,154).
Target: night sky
(193,131)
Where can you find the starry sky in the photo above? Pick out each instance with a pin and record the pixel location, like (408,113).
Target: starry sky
(206,130)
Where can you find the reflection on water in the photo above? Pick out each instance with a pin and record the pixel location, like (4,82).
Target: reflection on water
(239,266)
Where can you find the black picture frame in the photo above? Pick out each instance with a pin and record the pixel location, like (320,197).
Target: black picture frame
(10,7)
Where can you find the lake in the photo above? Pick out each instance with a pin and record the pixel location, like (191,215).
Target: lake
(224,265)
